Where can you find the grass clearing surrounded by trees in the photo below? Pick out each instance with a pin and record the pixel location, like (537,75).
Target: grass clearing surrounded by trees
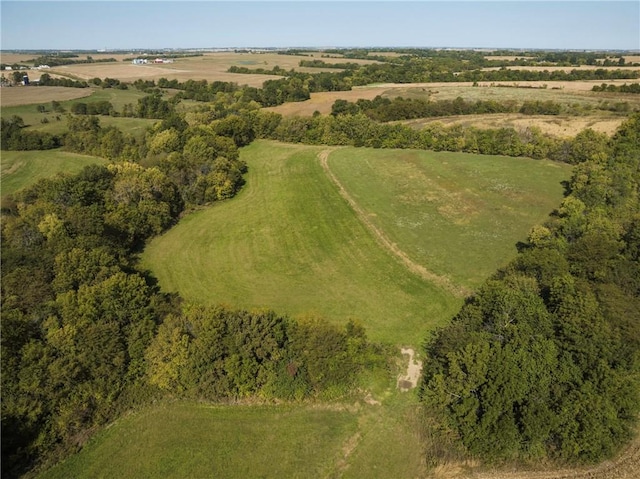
(24,168)
(177,440)
(291,243)
(459,215)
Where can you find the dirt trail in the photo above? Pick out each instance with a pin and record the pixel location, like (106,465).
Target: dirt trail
(625,466)
(414,368)
(412,266)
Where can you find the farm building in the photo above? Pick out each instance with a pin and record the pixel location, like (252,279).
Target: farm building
(139,61)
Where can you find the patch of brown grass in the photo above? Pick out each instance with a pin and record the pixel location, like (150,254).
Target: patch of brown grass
(559,126)
(26,95)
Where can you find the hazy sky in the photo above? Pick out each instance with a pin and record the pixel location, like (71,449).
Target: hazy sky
(185,24)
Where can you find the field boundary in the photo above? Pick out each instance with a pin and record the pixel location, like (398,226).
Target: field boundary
(384,241)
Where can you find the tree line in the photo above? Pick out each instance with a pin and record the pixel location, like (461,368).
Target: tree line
(386,109)
(542,362)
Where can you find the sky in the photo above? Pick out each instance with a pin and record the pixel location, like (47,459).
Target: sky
(120,24)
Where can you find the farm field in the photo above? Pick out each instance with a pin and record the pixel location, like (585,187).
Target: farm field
(292,243)
(210,67)
(20,95)
(458,215)
(23,168)
(567,93)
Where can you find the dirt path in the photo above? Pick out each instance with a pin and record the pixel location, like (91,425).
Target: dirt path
(414,368)
(412,266)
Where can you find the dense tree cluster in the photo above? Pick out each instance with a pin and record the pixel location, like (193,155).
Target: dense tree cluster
(216,353)
(386,109)
(15,137)
(543,360)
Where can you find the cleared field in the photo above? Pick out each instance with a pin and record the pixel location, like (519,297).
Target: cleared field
(553,68)
(20,95)
(291,242)
(458,215)
(55,122)
(183,440)
(210,67)
(23,168)
(560,126)
(574,95)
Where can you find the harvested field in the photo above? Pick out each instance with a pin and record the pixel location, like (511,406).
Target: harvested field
(506,58)
(562,92)
(210,67)
(20,95)
(553,68)
(560,126)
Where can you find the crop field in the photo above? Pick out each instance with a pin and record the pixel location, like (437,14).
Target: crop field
(20,95)
(210,67)
(292,242)
(23,168)
(555,68)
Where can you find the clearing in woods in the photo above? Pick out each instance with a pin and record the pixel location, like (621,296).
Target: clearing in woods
(420,228)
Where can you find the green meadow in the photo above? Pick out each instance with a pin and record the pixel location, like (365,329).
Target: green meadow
(23,168)
(290,242)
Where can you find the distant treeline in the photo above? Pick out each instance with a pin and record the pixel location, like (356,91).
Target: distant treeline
(631,88)
(58,60)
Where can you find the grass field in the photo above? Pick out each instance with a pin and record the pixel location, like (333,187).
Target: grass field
(20,95)
(26,107)
(290,242)
(183,440)
(23,168)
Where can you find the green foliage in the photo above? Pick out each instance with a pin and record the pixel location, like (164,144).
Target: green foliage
(543,360)
(215,353)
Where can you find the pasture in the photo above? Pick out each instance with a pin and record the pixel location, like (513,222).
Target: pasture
(19,169)
(290,242)
(53,122)
(179,440)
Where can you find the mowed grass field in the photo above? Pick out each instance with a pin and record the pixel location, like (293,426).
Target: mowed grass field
(23,168)
(292,243)
(184,440)
(289,242)
(459,215)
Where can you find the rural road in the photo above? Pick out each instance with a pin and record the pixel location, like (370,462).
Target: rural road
(382,238)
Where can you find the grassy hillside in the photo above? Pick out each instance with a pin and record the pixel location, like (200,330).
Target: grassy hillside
(194,440)
(290,242)
(459,215)
(23,168)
